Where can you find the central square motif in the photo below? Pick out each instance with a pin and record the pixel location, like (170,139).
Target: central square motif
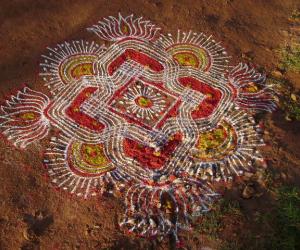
(143,103)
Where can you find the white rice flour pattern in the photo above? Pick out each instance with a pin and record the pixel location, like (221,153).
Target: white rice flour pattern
(157,119)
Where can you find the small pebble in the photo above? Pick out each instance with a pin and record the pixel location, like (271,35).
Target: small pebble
(294,97)
(277,74)
(287,118)
(248,192)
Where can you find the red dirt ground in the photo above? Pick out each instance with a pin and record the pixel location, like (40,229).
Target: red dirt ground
(33,215)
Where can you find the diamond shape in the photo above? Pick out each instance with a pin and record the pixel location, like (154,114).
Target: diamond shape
(144,103)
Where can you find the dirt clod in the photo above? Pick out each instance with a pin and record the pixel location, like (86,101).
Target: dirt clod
(248,192)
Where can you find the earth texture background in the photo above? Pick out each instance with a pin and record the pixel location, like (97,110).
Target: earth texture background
(34,215)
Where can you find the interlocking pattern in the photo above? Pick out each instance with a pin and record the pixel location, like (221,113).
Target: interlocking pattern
(157,118)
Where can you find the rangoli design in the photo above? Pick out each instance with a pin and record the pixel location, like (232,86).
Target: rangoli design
(155,119)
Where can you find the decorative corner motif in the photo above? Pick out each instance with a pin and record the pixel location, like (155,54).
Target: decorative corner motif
(22,119)
(116,29)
